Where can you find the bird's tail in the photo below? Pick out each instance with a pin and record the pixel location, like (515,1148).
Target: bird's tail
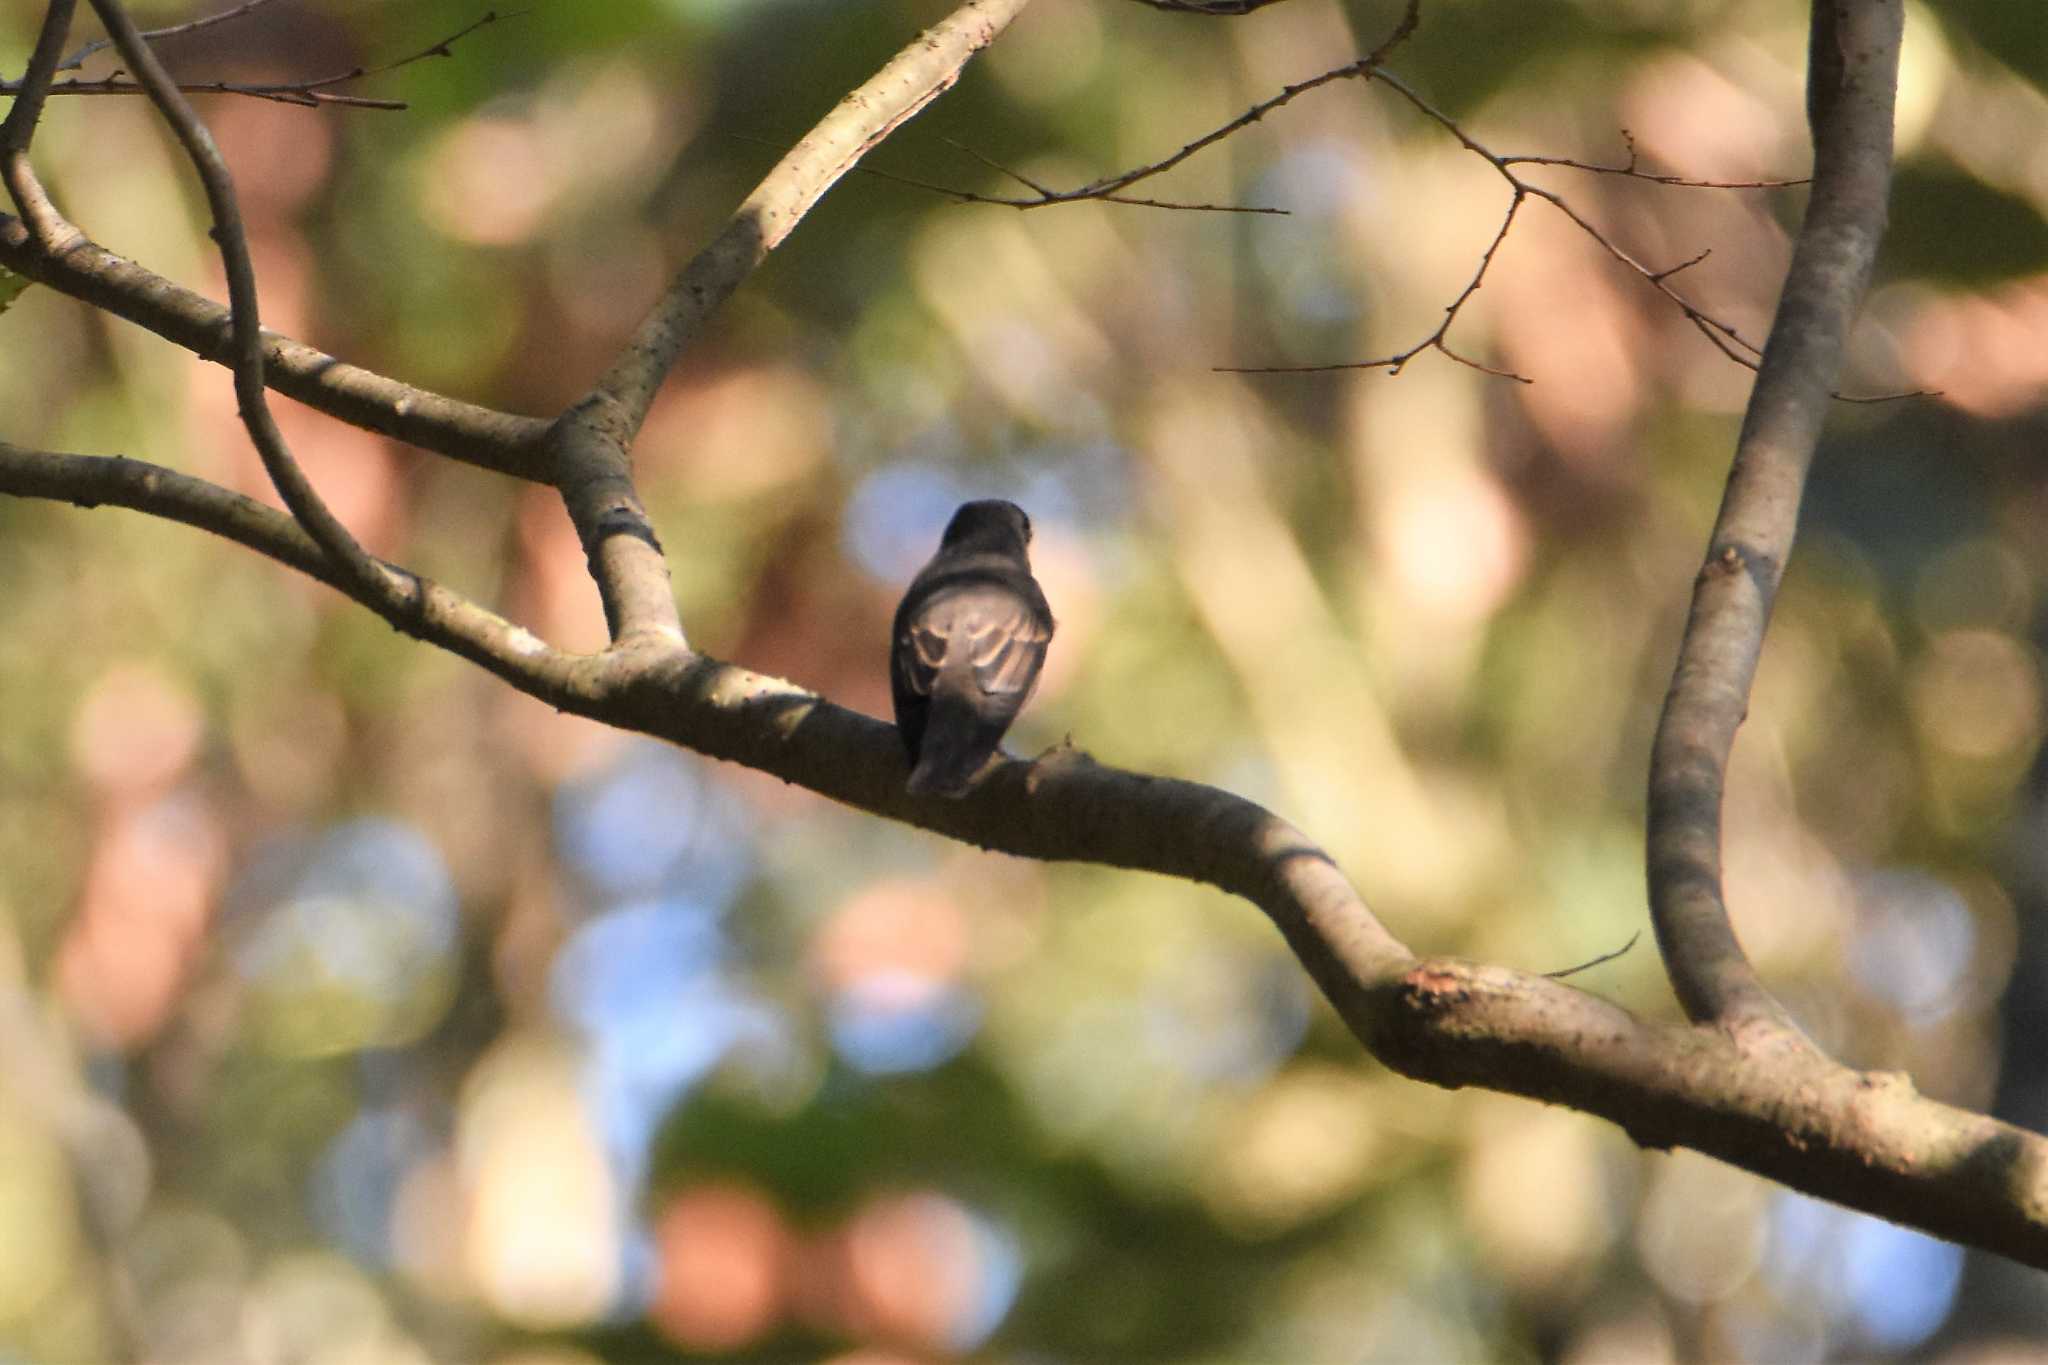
(953,752)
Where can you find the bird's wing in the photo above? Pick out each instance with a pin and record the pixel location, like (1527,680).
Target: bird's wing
(991,631)
(1006,646)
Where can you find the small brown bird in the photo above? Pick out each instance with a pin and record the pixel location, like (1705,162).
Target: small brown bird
(969,639)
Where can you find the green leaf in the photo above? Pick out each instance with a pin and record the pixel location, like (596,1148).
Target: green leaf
(11,287)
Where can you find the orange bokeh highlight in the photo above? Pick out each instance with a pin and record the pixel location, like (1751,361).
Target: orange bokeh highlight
(904,1270)
(723,1277)
(1986,354)
(136,731)
(149,894)
(158,857)
(895,930)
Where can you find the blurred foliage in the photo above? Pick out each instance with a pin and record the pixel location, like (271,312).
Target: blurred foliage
(353,1009)
(2007,238)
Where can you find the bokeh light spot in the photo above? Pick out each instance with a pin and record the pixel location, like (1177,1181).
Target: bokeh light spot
(723,1258)
(1915,940)
(136,729)
(647,823)
(347,940)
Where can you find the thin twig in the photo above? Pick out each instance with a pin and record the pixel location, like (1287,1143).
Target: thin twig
(305,94)
(1059,197)
(1210,7)
(300,93)
(1631,169)
(77,59)
(1435,340)
(1047,195)
(1604,958)
(1110,189)
(1722,336)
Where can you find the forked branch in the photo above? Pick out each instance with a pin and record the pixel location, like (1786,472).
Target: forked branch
(245,325)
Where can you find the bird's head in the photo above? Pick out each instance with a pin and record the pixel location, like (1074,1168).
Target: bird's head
(990,522)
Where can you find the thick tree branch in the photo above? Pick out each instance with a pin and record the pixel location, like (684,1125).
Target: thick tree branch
(1852,81)
(1867,1140)
(440,616)
(1766,1103)
(919,74)
(88,272)
(591,443)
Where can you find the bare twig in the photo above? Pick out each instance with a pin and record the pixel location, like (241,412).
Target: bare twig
(1063,197)
(97,45)
(1722,336)
(1434,341)
(246,327)
(306,94)
(1632,170)
(445,46)
(1110,189)
(1111,185)
(1852,83)
(1212,7)
(1668,271)
(1604,958)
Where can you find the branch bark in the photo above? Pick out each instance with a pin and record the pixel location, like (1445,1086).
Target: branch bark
(925,69)
(82,269)
(1852,82)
